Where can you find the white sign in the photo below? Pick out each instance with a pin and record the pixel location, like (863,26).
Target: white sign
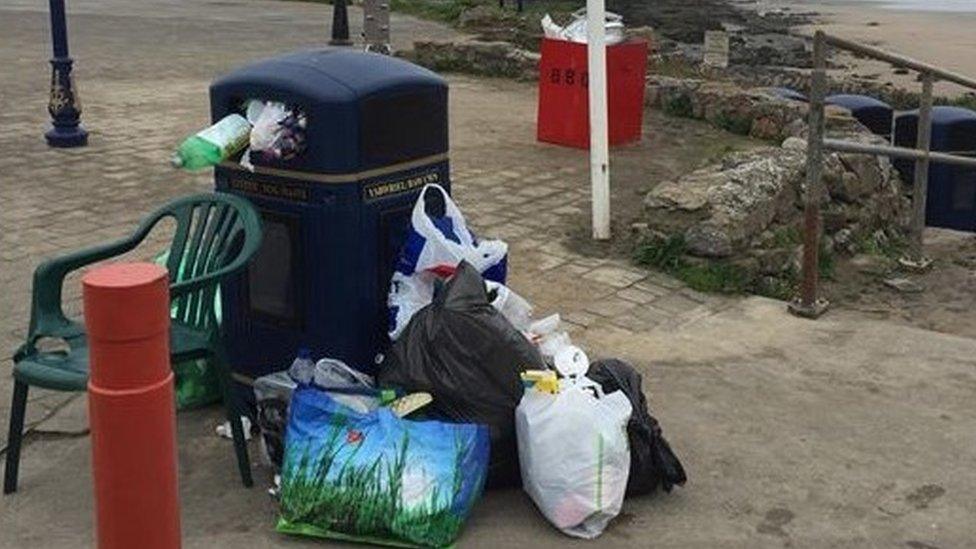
(717,49)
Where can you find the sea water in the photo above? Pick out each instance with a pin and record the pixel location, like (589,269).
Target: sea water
(952,6)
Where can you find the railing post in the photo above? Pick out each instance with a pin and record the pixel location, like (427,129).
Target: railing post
(809,304)
(916,254)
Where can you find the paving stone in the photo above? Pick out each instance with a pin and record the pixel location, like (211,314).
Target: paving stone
(674,303)
(581,318)
(614,276)
(651,316)
(637,296)
(611,307)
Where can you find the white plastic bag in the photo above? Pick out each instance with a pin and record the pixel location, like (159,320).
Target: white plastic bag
(437,240)
(551,340)
(512,306)
(574,454)
(576,30)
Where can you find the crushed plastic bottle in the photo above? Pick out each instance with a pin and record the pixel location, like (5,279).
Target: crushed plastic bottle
(302,370)
(213,145)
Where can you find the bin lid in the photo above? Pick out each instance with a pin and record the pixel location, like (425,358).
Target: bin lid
(943,115)
(331,74)
(856,102)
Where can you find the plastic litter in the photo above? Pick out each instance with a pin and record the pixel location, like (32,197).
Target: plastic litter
(512,306)
(302,369)
(273,392)
(652,462)
(278,133)
(213,145)
(468,357)
(224,431)
(378,478)
(575,31)
(573,453)
(437,240)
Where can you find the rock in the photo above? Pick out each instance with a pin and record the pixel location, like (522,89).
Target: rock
(708,241)
(904,285)
(476,57)
(844,241)
(480,16)
(795,144)
(721,208)
(773,262)
(870,264)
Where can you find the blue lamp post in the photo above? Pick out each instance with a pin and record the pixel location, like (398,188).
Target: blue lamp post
(64,106)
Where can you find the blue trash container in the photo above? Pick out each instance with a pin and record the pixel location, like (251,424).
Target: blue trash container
(951,201)
(334,217)
(875,115)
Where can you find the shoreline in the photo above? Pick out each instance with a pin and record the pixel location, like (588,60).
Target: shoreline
(945,39)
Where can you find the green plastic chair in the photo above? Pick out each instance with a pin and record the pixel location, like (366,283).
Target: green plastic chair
(216,235)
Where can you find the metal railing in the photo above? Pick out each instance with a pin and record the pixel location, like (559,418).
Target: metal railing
(809,303)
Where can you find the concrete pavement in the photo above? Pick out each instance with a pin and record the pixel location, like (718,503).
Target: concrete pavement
(840,433)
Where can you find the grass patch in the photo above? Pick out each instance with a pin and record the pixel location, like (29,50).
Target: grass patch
(668,255)
(738,125)
(679,106)
(892,248)
(787,236)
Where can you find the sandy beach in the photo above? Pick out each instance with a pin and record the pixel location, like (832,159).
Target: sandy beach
(946,38)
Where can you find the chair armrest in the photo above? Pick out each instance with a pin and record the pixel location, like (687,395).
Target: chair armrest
(178,289)
(47,316)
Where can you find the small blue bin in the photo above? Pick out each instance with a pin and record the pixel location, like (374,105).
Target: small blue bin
(335,216)
(875,115)
(951,201)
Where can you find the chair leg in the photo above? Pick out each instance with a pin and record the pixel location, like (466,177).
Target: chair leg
(234,416)
(15,437)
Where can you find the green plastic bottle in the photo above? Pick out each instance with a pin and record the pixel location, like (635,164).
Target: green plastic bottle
(213,145)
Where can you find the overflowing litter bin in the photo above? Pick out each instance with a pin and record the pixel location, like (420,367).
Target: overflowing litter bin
(564,116)
(874,114)
(951,201)
(375,132)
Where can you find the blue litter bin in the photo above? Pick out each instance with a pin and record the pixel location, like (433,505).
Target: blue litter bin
(951,201)
(334,217)
(875,115)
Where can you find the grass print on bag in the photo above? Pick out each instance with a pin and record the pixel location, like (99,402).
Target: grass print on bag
(377,478)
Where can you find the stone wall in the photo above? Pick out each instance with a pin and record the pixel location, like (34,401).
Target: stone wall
(746,209)
(494,59)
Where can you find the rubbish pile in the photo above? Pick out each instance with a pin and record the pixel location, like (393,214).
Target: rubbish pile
(472,393)
(267,132)
(575,31)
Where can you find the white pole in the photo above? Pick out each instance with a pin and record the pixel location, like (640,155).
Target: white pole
(599,135)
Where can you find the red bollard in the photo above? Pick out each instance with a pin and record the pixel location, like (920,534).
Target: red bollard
(131,407)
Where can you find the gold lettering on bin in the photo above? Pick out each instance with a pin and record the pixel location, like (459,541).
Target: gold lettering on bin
(386,188)
(271,190)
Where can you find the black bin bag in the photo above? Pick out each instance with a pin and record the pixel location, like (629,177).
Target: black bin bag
(464,353)
(652,463)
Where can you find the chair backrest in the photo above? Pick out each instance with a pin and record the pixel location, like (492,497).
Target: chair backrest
(216,235)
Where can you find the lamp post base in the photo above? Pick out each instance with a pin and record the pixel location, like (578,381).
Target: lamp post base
(67,136)
(340,42)
(64,107)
